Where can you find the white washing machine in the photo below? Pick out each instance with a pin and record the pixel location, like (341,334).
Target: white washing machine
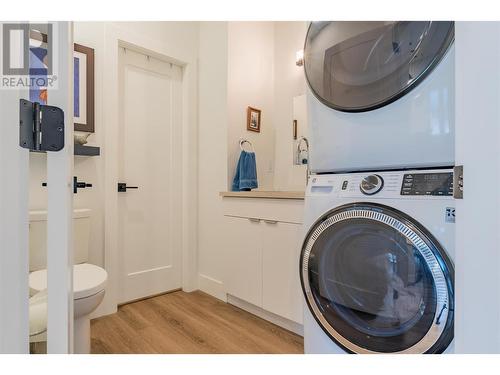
(381,95)
(377,262)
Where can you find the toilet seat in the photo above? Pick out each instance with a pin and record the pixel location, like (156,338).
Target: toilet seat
(88,279)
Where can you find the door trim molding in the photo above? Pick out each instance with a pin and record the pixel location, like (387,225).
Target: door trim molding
(115,38)
(60,317)
(14,258)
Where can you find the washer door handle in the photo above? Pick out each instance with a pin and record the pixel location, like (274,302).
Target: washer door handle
(441,313)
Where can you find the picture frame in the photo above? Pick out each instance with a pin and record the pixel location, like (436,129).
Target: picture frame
(83,89)
(38,67)
(253,119)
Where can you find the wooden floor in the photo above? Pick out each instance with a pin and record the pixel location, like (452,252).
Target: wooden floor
(188,323)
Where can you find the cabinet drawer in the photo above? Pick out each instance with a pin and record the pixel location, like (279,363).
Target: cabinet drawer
(284,210)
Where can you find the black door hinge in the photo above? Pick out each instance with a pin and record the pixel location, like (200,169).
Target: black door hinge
(41,127)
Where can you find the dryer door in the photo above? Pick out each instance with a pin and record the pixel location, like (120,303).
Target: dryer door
(360,66)
(377,282)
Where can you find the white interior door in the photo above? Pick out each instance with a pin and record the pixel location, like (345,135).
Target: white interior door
(14,180)
(14,327)
(149,145)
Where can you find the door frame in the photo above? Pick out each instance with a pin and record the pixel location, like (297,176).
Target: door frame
(14,198)
(60,208)
(116,38)
(14,220)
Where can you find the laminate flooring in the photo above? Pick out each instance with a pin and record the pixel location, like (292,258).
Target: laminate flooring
(188,323)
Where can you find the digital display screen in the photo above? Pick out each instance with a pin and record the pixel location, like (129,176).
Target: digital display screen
(427,184)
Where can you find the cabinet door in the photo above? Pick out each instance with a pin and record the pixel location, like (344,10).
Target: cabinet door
(282,293)
(243,265)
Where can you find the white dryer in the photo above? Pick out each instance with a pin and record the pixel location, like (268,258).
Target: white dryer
(381,95)
(377,262)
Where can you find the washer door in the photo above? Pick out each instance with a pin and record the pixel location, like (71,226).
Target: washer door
(360,66)
(377,282)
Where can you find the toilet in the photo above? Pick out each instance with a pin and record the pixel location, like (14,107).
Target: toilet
(89,280)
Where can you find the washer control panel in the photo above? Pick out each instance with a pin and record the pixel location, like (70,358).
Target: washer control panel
(407,184)
(371,184)
(439,183)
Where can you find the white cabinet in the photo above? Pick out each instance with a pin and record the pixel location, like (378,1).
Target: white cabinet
(262,260)
(281,289)
(243,266)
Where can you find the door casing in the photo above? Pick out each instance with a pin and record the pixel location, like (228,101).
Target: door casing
(149,142)
(116,38)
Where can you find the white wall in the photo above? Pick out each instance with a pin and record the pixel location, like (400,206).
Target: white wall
(262,73)
(212,157)
(251,83)
(477,263)
(289,81)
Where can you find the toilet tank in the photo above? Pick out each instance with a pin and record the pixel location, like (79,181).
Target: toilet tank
(38,237)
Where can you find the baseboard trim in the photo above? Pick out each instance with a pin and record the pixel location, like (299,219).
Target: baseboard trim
(148,297)
(266,315)
(212,286)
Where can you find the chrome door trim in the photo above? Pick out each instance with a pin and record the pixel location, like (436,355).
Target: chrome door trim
(408,230)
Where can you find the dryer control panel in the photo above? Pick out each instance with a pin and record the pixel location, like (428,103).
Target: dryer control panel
(438,183)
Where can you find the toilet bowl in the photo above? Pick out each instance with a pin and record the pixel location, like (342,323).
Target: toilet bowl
(89,283)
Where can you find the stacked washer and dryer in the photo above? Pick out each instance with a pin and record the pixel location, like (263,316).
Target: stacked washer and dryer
(377,259)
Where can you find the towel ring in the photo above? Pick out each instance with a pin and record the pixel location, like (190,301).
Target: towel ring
(243,141)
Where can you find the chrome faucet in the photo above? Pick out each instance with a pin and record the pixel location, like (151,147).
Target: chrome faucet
(303,160)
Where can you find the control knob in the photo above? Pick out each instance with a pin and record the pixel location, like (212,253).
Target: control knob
(371,184)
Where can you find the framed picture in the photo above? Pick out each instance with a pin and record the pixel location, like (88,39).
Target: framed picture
(83,90)
(38,67)
(253,119)
(83,68)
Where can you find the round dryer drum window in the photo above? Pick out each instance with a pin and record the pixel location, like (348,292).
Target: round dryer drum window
(377,282)
(360,66)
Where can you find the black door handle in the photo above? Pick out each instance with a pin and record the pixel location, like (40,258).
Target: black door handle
(122,187)
(76,184)
(79,185)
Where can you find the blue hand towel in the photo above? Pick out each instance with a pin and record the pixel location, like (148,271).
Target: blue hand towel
(245,178)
